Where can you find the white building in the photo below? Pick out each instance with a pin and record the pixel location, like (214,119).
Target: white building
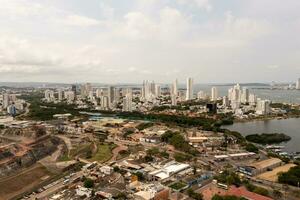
(201,95)
(70,96)
(214,94)
(175,88)
(245,95)
(298,84)
(189,89)
(49,95)
(263,107)
(127,101)
(60,94)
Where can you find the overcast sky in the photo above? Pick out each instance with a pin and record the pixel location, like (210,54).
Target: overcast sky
(127,41)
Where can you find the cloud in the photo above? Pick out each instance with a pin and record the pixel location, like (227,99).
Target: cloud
(77,20)
(202,4)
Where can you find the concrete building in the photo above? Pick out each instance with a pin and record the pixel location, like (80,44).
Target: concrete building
(298,84)
(189,89)
(214,94)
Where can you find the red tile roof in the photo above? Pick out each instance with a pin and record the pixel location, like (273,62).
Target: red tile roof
(243,192)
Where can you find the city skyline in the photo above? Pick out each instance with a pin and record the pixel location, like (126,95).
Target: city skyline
(112,42)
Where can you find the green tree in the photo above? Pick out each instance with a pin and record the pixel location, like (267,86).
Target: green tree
(88,183)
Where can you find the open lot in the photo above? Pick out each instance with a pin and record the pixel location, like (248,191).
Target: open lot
(272,175)
(23,181)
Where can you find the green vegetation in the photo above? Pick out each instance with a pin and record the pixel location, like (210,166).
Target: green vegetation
(178,141)
(291,177)
(182,157)
(143,126)
(256,189)
(155,152)
(178,185)
(140,176)
(268,138)
(275,155)
(88,183)
(218,197)
(104,152)
(184,121)
(251,148)
(194,195)
(229,178)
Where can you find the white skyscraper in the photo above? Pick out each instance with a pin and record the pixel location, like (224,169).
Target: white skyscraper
(214,94)
(298,84)
(111,95)
(5,100)
(245,95)
(262,107)
(189,89)
(127,101)
(174,100)
(252,99)
(175,88)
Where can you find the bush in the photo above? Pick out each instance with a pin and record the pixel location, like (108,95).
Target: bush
(88,183)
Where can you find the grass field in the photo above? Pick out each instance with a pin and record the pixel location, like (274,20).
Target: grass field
(22,182)
(104,153)
(273,175)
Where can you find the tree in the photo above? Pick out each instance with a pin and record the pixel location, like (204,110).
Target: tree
(194,195)
(88,183)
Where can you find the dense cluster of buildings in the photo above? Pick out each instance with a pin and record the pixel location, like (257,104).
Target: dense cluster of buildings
(11,104)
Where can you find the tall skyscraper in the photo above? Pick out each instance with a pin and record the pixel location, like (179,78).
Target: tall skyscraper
(174,90)
(189,89)
(127,101)
(245,95)
(298,84)
(60,94)
(214,94)
(111,94)
(157,90)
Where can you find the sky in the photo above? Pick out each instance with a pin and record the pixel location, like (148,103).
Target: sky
(128,41)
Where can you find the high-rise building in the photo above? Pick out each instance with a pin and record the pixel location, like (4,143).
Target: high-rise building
(201,95)
(174,90)
(157,90)
(111,95)
(60,94)
(173,100)
(225,101)
(252,99)
(298,84)
(49,95)
(214,94)
(189,89)
(70,96)
(245,95)
(263,107)
(104,101)
(5,103)
(127,101)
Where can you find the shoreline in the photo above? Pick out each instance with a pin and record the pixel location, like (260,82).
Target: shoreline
(264,119)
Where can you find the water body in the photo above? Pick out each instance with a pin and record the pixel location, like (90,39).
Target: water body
(290,127)
(279,96)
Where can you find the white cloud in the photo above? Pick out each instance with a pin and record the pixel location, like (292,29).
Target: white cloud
(202,4)
(77,20)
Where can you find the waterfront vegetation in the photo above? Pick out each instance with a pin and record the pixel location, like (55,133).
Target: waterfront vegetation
(268,138)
